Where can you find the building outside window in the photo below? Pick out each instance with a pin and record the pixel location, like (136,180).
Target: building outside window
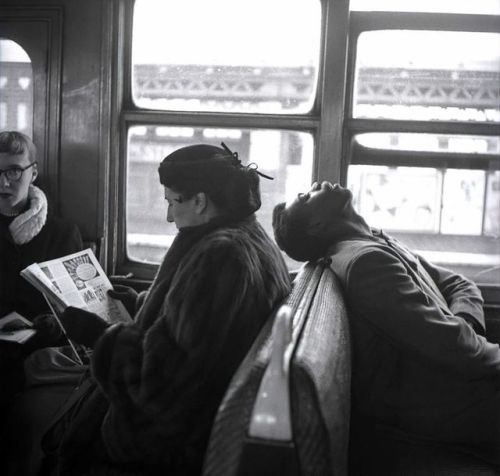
(397,99)
(16,88)
(240,70)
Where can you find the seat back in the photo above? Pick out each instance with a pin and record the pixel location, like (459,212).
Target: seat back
(318,377)
(321,383)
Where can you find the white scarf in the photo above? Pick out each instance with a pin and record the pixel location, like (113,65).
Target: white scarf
(29,223)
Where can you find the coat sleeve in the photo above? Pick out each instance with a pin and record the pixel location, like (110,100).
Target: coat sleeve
(462,295)
(157,380)
(74,242)
(65,239)
(381,292)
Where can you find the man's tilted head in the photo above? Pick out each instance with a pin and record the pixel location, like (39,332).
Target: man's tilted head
(307,227)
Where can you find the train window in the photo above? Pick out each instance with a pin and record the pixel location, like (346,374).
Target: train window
(240,61)
(407,82)
(379,94)
(432,142)
(227,74)
(422,132)
(16,88)
(444,6)
(455,202)
(284,155)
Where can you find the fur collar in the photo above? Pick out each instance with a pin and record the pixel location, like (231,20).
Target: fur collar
(184,242)
(29,223)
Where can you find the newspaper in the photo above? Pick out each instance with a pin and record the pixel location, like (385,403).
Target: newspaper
(76,280)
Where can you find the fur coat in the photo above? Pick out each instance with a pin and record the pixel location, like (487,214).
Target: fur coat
(165,376)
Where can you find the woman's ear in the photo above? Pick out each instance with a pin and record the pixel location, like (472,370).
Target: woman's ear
(200,202)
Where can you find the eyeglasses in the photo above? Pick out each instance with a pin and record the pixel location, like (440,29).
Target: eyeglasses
(14,174)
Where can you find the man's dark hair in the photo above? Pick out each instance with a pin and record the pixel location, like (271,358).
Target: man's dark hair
(291,234)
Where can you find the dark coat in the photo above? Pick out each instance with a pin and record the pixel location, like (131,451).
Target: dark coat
(165,376)
(30,238)
(57,238)
(418,364)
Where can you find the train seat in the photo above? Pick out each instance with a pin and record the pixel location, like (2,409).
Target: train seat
(396,455)
(286,411)
(254,432)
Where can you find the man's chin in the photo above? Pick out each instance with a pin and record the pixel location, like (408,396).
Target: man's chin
(5,204)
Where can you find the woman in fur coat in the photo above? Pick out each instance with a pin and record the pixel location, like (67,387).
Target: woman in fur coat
(161,379)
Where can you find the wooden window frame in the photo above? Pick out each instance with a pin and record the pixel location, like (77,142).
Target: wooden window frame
(354,153)
(324,121)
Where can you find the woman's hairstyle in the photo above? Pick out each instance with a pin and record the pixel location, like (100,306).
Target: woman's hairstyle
(291,232)
(17,143)
(232,187)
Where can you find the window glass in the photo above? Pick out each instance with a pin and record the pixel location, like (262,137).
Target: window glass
(428,75)
(392,198)
(463,202)
(254,56)
(285,155)
(3,115)
(446,201)
(451,216)
(491,7)
(16,88)
(492,215)
(431,142)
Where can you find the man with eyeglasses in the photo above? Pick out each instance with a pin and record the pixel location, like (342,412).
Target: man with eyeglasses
(27,235)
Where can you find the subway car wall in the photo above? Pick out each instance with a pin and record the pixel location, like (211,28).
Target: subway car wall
(93,127)
(71,105)
(402,107)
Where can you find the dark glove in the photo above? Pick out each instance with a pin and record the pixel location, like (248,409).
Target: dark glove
(49,332)
(82,326)
(125,294)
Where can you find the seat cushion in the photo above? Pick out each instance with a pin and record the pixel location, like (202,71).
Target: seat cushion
(383,453)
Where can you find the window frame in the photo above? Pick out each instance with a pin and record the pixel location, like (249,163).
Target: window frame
(330,121)
(39,32)
(324,121)
(361,22)
(356,154)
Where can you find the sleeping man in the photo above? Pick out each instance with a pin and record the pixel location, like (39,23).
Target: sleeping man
(422,367)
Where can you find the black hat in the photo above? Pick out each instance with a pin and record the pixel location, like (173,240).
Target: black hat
(218,172)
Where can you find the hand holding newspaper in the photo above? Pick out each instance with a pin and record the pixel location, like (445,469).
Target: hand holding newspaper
(76,280)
